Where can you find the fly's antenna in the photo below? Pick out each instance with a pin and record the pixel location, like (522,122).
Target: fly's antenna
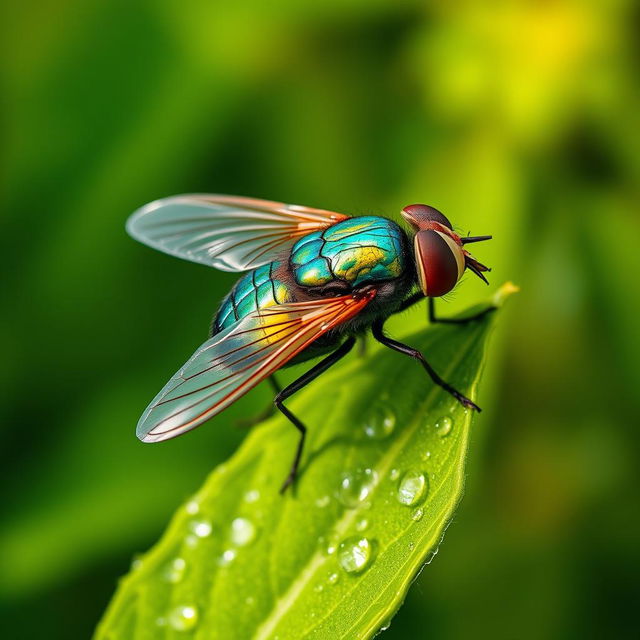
(477,267)
(470,239)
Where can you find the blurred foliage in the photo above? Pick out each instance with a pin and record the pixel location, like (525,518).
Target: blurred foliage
(514,118)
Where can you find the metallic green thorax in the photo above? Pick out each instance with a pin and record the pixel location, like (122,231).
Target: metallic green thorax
(357,251)
(257,289)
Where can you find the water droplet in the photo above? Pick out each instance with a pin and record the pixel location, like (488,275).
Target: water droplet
(227,557)
(175,570)
(412,546)
(332,578)
(380,423)
(356,486)
(318,588)
(243,532)
(362,524)
(426,455)
(443,426)
(183,618)
(417,515)
(202,528)
(331,548)
(252,496)
(412,488)
(136,563)
(323,501)
(354,554)
(394,474)
(192,507)
(191,540)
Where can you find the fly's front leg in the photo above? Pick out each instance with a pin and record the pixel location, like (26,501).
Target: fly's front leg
(296,385)
(378,334)
(433,319)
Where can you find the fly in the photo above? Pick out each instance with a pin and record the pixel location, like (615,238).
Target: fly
(314,281)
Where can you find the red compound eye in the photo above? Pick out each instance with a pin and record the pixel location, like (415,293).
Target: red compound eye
(439,261)
(418,215)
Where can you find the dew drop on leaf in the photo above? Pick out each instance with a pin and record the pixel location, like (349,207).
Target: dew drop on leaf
(356,486)
(252,496)
(322,501)
(362,524)
(412,488)
(417,515)
(202,528)
(332,578)
(380,423)
(227,557)
(354,554)
(394,474)
(192,507)
(183,618)
(443,426)
(175,570)
(243,532)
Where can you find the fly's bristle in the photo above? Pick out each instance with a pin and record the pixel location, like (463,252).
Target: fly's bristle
(470,239)
(476,267)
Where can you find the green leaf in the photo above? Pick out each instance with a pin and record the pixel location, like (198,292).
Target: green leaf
(382,475)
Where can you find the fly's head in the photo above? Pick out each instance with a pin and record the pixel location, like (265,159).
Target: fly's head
(440,256)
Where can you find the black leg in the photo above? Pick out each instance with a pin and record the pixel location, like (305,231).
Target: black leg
(411,300)
(267,412)
(296,385)
(378,334)
(476,316)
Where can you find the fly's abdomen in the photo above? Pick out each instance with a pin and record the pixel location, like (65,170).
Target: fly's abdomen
(356,251)
(258,289)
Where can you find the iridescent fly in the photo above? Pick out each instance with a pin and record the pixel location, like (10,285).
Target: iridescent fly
(316,280)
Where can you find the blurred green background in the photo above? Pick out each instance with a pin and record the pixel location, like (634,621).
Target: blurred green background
(515,118)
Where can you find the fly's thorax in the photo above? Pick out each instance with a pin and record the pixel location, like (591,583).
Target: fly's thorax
(357,251)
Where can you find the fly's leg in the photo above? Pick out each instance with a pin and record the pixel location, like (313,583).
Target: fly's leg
(267,412)
(378,334)
(476,316)
(296,385)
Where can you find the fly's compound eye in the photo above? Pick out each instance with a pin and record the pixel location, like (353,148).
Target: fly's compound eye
(439,260)
(420,215)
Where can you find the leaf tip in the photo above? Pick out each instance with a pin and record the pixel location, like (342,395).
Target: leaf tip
(504,292)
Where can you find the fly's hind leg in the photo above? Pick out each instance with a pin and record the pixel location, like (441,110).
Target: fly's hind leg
(378,334)
(476,316)
(296,385)
(267,412)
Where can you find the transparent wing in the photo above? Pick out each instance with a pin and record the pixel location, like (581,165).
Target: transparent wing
(230,363)
(226,232)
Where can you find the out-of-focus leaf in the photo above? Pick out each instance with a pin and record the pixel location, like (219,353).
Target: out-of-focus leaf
(382,476)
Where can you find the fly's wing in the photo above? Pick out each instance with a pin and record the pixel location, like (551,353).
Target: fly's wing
(230,363)
(226,232)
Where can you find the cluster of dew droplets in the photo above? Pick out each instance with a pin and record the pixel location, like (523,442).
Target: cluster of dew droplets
(355,553)
(242,532)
